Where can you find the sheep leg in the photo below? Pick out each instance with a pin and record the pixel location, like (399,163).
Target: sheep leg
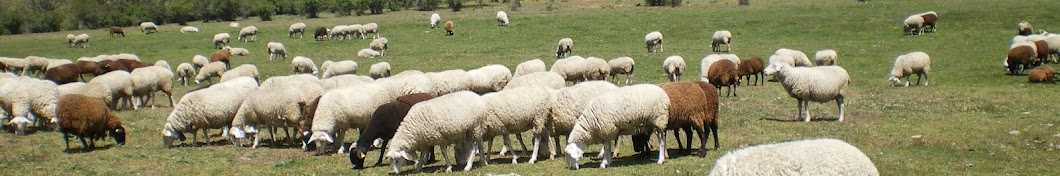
(477,148)
(206,136)
(662,142)
(66,139)
(84,144)
(607,155)
(702,141)
(508,142)
(519,136)
(688,144)
(677,136)
(445,156)
(272,135)
(537,144)
(552,153)
(839,102)
(339,137)
(732,87)
(925,78)
(379,161)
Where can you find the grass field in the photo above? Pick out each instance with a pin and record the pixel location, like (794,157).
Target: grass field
(967,117)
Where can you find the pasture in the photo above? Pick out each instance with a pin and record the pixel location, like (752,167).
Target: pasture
(971,120)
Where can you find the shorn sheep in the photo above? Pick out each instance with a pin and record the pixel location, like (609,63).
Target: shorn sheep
(238,51)
(276,49)
(339,68)
(384,124)
(752,67)
(148,80)
(370,28)
(80,40)
(222,55)
(654,41)
(449,27)
(819,84)
(368,53)
(184,73)
(502,18)
(87,118)
(547,79)
(1042,74)
(296,28)
(674,67)
(529,66)
(453,119)
(28,101)
(379,70)
(199,60)
(719,38)
(148,27)
(724,74)
(804,157)
(205,109)
(303,65)
(233,25)
(1021,54)
(800,59)
(245,70)
(621,65)
(489,78)
(342,109)
(435,18)
(248,34)
(214,69)
(826,57)
(918,63)
(1025,28)
(563,48)
(644,110)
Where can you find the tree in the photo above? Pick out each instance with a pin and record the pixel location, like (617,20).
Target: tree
(310,8)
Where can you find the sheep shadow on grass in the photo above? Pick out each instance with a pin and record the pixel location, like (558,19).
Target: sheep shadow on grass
(621,161)
(794,118)
(86,150)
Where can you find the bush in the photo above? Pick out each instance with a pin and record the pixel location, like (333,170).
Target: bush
(376,6)
(264,10)
(343,7)
(663,2)
(397,5)
(456,5)
(426,5)
(310,8)
(360,6)
(11,23)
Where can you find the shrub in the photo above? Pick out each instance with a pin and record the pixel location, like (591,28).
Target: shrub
(426,5)
(376,6)
(456,5)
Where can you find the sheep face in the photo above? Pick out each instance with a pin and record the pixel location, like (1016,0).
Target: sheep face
(118,135)
(168,135)
(397,159)
(774,68)
(20,123)
(895,81)
(357,155)
(574,154)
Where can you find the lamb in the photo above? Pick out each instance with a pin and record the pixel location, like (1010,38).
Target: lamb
(913,25)
(70,38)
(516,110)
(547,79)
(370,28)
(148,27)
(752,67)
(345,108)
(120,84)
(94,90)
(321,33)
(623,65)
(277,107)
(245,70)
(205,109)
(719,38)
(239,51)
(368,53)
(826,57)
(800,58)
(383,125)
(1042,74)
(222,55)
(28,100)
(249,33)
(918,63)
(451,119)
(1021,54)
(449,81)
(930,18)
(435,18)
(379,44)
(529,66)
(163,64)
(568,103)
(379,70)
(302,64)
(654,41)
(502,18)
(87,118)
(645,109)
(198,61)
(184,73)
(296,28)
(490,78)
(115,31)
(80,40)
(214,69)
(274,49)
(148,80)
(803,157)
(448,27)
(819,84)
(188,29)
(339,68)
(674,67)
(220,40)
(563,48)
(343,81)
(1025,28)
(724,73)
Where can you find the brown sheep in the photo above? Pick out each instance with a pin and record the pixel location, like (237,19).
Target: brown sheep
(114,31)
(321,33)
(448,27)
(121,64)
(693,106)
(929,20)
(89,67)
(87,118)
(66,73)
(222,55)
(723,74)
(1043,51)
(1020,56)
(1042,74)
(752,67)
(306,128)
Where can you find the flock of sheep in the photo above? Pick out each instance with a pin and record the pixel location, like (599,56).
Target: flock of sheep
(409,113)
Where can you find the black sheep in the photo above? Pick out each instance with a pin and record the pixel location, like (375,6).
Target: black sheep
(383,125)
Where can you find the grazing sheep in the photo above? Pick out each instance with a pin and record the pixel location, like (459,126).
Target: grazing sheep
(435,18)
(383,125)
(654,41)
(34,64)
(803,157)
(379,70)
(826,57)
(52,63)
(707,62)
(597,69)
(490,78)
(913,25)
(800,58)
(343,81)
(148,80)
(63,74)
(719,38)
(87,118)
(572,68)
(148,27)
(239,51)
(80,40)
(222,55)
(448,27)
(94,90)
(819,84)
(163,64)
(267,108)
(370,28)
(296,28)
(205,109)
(357,30)
(13,64)
(622,65)
(568,103)
(345,108)
(547,79)
(115,31)
(198,61)
(247,34)
(368,53)
(120,84)
(309,85)
(449,81)
(502,18)
(752,67)
(529,66)
(321,34)
(782,59)
(122,64)
(693,106)
(220,40)
(185,71)
(724,73)
(339,68)
(274,49)
(1025,28)
(516,110)
(245,70)
(379,44)
(214,69)
(930,18)
(918,63)
(187,29)
(338,32)
(233,25)
(1042,74)
(70,38)
(1042,48)
(302,64)
(28,101)
(90,67)
(1021,54)
(563,48)
(674,67)
(644,110)
(453,119)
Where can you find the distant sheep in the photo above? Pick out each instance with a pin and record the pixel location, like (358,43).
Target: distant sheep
(321,34)
(214,69)
(930,18)
(800,58)
(918,63)
(1042,74)
(621,65)
(724,74)
(502,18)
(489,78)
(529,66)
(1021,54)
(719,38)
(148,27)
(379,70)
(752,67)
(707,62)
(115,31)
(239,51)
(222,55)
(87,118)
(819,84)
(249,33)
(198,61)
(435,18)
(296,28)
(339,68)
(184,73)
(597,69)
(233,25)
(563,48)
(1025,28)
(370,28)
(449,27)
(275,49)
(356,30)
(913,25)
(654,41)
(674,67)
(804,157)
(220,40)
(368,53)
(187,29)
(80,40)
(148,80)
(826,57)
(379,44)
(245,70)
(302,64)
(338,32)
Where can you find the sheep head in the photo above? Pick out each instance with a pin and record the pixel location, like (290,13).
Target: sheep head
(118,134)
(574,154)
(357,155)
(398,158)
(775,67)
(169,134)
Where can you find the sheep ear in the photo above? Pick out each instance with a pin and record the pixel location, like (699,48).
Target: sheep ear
(360,155)
(405,155)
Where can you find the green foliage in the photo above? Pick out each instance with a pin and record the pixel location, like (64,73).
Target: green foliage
(11,23)
(359,6)
(376,6)
(264,10)
(181,11)
(455,5)
(343,7)
(225,10)
(310,8)
(397,5)
(427,5)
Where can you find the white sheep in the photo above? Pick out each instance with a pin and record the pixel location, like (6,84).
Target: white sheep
(81,40)
(199,60)
(205,109)
(645,109)
(379,44)
(407,82)
(274,108)
(571,68)
(368,53)
(34,64)
(674,67)
(340,81)
(339,68)
(623,65)
(596,68)
(803,157)
(233,25)
(184,73)
(379,70)
(1025,28)
(356,30)
(326,64)
(247,34)
(435,18)
(819,84)
(709,61)
(120,84)
(94,90)
(239,51)
(490,78)
(245,70)
(187,29)
(449,81)
(568,103)
(148,27)
(28,101)
(502,18)
(801,60)
(826,57)
(913,25)
(13,64)
(369,28)
(447,120)
(719,38)
(302,64)
(70,38)
(918,63)
(220,40)
(296,28)
(547,79)
(529,66)
(564,47)
(337,32)
(274,49)
(214,69)
(783,59)
(516,110)
(654,40)
(341,109)
(148,80)
(163,64)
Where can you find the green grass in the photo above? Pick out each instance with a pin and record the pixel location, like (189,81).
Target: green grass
(964,116)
